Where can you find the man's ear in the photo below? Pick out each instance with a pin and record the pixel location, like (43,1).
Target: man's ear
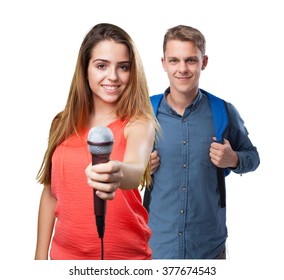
(204,62)
(163,60)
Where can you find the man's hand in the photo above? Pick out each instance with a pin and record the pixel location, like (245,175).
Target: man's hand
(222,155)
(155,161)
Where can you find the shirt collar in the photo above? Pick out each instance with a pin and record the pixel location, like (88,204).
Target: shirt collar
(189,108)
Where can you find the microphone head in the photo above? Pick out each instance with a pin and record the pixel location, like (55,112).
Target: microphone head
(100,140)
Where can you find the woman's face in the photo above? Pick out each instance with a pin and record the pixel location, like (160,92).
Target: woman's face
(108,71)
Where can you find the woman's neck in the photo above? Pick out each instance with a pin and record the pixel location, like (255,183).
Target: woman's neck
(103,114)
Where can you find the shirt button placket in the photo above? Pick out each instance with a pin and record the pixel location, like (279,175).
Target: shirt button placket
(183,189)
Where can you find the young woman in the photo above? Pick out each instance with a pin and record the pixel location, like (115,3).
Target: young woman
(108,89)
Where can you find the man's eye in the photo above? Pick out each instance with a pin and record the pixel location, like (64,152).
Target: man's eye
(173,60)
(192,60)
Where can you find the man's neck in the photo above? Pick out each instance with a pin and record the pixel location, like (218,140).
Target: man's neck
(179,102)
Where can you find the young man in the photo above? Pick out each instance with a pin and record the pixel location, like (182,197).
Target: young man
(186,213)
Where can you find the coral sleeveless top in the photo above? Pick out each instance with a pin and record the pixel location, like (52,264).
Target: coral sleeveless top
(75,235)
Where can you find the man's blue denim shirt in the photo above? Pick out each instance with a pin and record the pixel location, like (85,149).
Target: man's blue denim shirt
(185,216)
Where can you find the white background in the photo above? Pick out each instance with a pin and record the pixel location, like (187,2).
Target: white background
(39,44)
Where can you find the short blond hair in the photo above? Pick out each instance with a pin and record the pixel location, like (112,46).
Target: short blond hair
(185,33)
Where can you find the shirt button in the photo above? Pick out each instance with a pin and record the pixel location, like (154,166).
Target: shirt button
(184,142)
(184,165)
(183,189)
(180,233)
(182,211)
(184,120)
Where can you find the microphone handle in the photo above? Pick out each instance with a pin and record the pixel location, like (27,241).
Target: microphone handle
(100,204)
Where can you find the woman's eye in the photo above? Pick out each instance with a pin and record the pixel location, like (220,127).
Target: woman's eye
(124,67)
(101,66)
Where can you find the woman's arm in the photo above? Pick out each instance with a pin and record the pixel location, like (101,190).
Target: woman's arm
(46,219)
(106,178)
(140,137)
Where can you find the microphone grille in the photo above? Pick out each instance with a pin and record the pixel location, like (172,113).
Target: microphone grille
(100,140)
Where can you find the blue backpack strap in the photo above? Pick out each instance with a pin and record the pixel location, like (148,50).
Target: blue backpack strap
(156,100)
(219,115)
(221,121)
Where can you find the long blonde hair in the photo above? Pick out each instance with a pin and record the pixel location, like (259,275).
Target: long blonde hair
(134,102)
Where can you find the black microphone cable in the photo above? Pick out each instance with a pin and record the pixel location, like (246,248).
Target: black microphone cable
(100,222)
(102,248)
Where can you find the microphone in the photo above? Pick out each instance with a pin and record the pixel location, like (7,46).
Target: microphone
(100,142)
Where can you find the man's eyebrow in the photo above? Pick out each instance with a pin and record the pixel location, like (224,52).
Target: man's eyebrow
(188,57)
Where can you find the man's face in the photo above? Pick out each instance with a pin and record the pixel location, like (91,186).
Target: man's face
(183,63)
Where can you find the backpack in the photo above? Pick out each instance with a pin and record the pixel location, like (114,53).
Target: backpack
(221,121)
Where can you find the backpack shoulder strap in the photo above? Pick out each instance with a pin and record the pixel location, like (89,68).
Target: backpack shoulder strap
(219,115)
(221,121)
(156,100)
